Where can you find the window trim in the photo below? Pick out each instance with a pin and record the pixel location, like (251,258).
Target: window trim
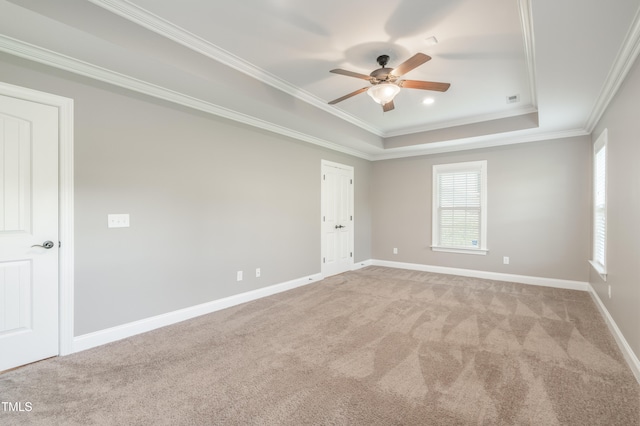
(600,144)
(453,167)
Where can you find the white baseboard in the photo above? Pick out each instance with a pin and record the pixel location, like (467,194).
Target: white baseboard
(91,340)
(360,265)
(624,346)
(498,276)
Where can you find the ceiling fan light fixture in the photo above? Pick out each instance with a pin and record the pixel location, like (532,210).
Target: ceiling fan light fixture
(383,93)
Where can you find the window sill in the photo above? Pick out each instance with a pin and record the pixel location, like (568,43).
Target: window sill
(481,252)
(599,269)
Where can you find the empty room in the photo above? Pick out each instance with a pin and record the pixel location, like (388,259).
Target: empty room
(272,212)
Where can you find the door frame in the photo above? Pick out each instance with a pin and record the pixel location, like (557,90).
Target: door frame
(65,205)
(352,234)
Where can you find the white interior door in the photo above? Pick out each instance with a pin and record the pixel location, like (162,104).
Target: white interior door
(337,218)
(28,231)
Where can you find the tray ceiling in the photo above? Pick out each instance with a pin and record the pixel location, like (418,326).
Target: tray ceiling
(267,62)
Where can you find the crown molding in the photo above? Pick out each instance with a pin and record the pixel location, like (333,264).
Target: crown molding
(527,109)
(47,57)
(169,30)
(526,21)
(625,59)
(509,138)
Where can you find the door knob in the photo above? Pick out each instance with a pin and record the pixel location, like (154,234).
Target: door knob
(46,245)
(339,226)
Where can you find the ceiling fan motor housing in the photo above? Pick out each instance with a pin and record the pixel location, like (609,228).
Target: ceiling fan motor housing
(381,74)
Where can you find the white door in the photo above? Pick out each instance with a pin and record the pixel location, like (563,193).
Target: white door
(337,218)
(28,232)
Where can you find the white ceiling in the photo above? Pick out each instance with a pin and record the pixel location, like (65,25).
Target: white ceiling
(267,62)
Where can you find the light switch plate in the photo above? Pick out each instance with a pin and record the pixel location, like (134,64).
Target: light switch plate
(118,220)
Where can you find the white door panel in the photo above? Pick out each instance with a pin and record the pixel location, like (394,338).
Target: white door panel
(15,297)
(337,218)
(28,217)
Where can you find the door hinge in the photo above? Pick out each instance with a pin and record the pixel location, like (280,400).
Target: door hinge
(324,219)
(351,217)
(59,244)
(324,177)
(351,254)
(323,260)
(351,181)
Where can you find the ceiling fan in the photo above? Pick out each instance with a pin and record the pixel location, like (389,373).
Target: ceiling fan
(386,83)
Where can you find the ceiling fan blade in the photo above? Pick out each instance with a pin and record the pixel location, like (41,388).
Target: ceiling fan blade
(357,92)
(388,106)
(411,63)
(425,85)
(351,74)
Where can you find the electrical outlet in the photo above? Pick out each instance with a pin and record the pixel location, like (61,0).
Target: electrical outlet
(118,220)
(395,250)
(258,272)
(609,291)
(239,276)
(505,260)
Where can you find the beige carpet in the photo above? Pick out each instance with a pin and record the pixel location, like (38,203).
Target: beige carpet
(378,346)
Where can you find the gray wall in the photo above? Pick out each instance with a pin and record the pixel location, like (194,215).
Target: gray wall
(538,209)
(207,197)
(623,210)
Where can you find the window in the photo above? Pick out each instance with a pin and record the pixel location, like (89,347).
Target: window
(460,207)
(599,261)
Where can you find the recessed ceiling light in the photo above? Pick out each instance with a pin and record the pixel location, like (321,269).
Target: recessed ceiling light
(428,101)
(431,41)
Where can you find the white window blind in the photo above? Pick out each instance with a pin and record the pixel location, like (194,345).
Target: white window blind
(599,261)
(459,222)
